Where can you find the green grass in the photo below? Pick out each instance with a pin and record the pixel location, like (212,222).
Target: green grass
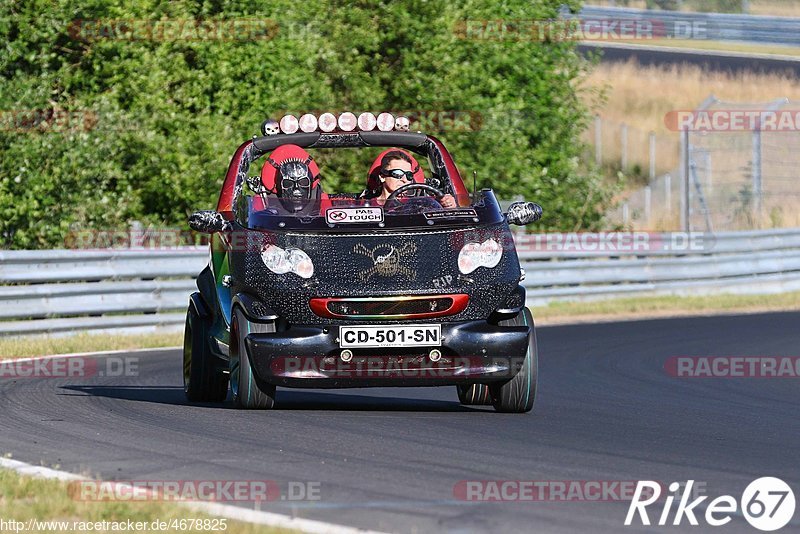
(29,346)
(666,306)
(23,498)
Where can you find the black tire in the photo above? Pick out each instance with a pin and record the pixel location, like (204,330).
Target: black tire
(474,394)
(203,379)
(248,393)
(518,395)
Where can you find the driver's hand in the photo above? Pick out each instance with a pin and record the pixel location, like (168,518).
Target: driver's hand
(448,202)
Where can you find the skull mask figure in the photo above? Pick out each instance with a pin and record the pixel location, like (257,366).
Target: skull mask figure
(294,184)
(270,127)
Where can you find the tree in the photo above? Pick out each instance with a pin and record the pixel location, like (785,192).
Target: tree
(152,122)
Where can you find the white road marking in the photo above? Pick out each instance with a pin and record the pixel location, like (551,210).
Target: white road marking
(236,513)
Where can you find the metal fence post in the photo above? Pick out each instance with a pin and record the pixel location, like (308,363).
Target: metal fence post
(648,197)
(136,236)
(685,189)
(652,156)
(757,185)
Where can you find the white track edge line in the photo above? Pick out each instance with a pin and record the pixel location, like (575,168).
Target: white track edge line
(312,526)
(95,353)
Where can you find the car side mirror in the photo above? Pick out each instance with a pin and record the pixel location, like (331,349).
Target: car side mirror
(522,213)
(208,222)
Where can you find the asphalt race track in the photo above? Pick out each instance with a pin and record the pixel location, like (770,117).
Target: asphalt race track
(388,459)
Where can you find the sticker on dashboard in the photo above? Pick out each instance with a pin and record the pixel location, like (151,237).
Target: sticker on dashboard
(353,215)
(451,214)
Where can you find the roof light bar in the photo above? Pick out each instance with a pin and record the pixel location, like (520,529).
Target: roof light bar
(327,122)
(347,121)
(308,123)
(386,122)
(289,124)
(367,122)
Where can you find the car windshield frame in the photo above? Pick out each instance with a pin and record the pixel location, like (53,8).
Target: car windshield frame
(277,214)
(268,212)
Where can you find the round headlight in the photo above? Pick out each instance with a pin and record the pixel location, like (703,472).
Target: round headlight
(301,263)
(292,260)
(274,257)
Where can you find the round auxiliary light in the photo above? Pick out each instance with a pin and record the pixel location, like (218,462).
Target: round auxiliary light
(401,124)
(327,122)
(386,122)
(347,121)
(367,121)
(308,123)
(289,124)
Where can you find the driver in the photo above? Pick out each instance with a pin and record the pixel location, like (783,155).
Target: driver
(395,171)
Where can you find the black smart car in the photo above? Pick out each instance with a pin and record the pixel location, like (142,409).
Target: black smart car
(313,289)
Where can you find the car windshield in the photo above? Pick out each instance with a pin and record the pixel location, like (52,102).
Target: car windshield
(270,212)
(296,189)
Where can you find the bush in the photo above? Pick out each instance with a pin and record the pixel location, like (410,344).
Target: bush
(153,123)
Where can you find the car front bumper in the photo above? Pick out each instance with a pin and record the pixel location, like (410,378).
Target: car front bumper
(310,357)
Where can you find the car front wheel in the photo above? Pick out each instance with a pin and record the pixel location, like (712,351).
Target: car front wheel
(519,394)
(248,393)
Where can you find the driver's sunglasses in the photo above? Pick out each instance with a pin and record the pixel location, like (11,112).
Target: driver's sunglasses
(399,174)
(289,183)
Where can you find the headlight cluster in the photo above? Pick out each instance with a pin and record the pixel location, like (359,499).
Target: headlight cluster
(474,255)
(292,260)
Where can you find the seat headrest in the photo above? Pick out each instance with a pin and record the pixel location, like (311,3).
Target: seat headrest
(285,152)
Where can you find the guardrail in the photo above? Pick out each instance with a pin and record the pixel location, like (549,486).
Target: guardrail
(711,26)
(749,262)
(56,291)
(60,291)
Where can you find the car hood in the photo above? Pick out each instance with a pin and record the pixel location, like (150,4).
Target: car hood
(374,265)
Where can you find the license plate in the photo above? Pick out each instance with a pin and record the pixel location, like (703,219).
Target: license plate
(412,335)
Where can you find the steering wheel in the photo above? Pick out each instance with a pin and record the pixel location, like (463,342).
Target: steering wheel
(437,193)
